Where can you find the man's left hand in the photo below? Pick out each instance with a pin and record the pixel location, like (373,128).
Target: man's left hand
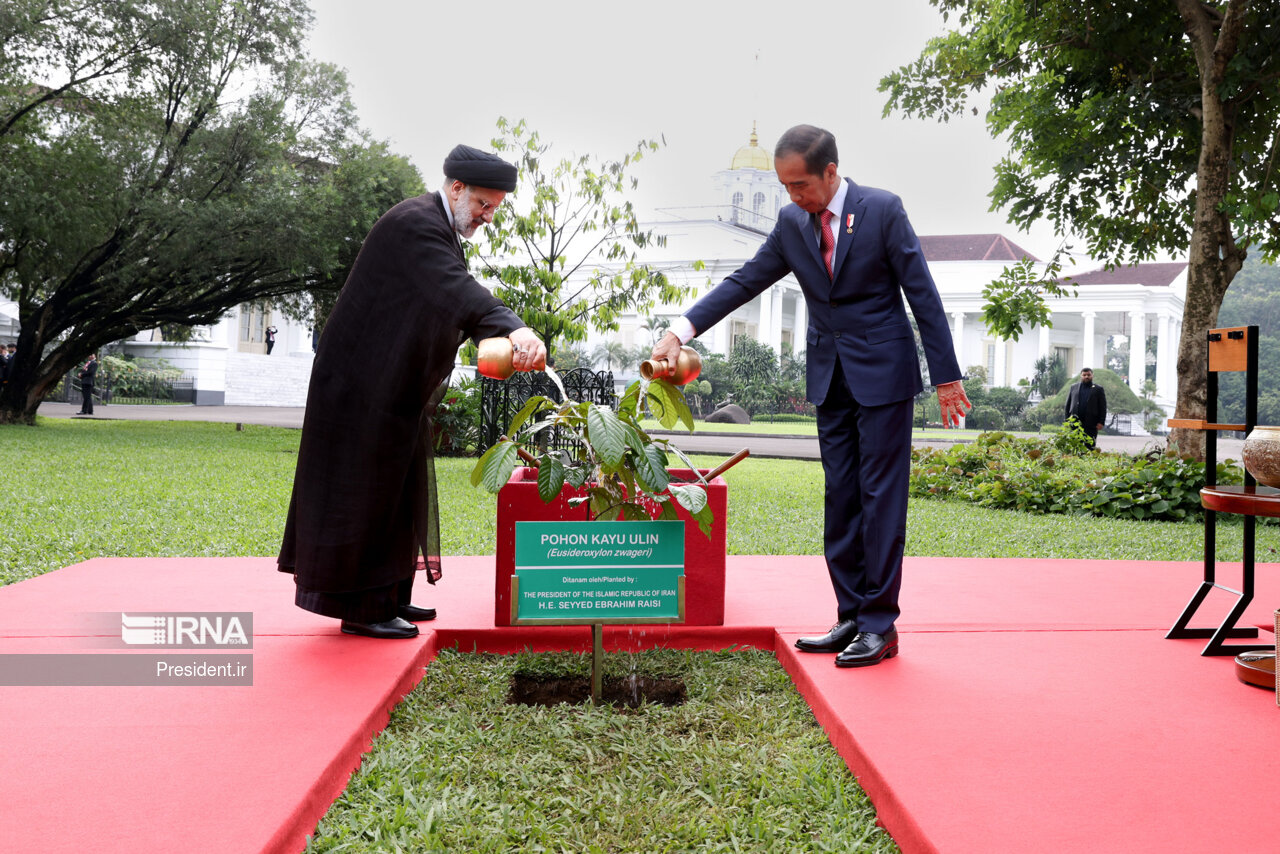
(953,402)
(530,354)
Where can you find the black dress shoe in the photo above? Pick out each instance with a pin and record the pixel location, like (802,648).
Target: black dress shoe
(414,614)
(869,648)
(393,628)
(833,641)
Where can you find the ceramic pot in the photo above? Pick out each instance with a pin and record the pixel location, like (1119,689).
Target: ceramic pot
(495,358)
(1262,455)
(686,369)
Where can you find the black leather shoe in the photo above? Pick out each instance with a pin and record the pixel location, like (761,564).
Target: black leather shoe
(869,648)
(393,628)
(838,638)
(414,614)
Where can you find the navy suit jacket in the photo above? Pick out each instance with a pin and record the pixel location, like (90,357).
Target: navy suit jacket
(857,316)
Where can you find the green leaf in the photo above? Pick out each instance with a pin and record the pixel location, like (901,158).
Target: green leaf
(575,476)
(667,404)
(629,404)
(704,518)
(607,435)
(691,496)
(494,469)
(550,478)
(651,468)
(633,512)
(531,406)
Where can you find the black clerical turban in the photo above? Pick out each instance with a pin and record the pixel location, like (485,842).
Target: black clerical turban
(480,169)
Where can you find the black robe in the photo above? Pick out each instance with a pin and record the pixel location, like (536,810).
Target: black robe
(363,502)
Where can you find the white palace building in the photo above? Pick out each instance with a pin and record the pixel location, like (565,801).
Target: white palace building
(228,361)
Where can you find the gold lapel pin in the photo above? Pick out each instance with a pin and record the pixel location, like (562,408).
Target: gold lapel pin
(848,225)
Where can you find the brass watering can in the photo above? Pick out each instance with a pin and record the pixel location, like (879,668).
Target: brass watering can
(685,370)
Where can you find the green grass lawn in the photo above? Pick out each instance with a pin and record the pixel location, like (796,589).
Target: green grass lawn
(80,489)
(743,766)
(785,428)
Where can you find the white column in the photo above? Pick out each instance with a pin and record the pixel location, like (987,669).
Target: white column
(1042,350)
(719,338)
(1088,352)
(1137,351)
(1165,367)
(764,327)
(957,336)
(1000,371)
(774,295)
(800,334)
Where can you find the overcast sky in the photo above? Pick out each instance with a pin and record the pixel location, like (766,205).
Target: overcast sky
(597,77)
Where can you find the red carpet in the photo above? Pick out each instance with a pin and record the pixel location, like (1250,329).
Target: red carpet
(1035,706)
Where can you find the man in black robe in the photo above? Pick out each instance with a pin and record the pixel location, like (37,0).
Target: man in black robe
(87,377)
(1087,404)
(363,503)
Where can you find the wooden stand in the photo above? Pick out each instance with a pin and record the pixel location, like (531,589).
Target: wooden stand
(1233,349)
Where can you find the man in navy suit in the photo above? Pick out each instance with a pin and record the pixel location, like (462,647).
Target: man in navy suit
(855,256)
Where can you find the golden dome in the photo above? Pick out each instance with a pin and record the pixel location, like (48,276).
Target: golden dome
(752,156)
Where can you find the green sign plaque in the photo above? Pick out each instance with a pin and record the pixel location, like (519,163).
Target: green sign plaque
(598,572)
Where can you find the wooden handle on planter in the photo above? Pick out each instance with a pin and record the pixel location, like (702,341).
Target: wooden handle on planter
(728,464)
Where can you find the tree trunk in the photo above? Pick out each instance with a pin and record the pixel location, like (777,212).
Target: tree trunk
(28,384)
(35,372)
(1214,258)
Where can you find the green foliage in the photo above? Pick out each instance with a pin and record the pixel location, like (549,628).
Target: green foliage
(1050,376)
(1100,104)
(562,249)
(1009,402)
(134,378)
(620,470)
(164,162)
(755,378)
(456,422)
(985,418)
(1059,476)
(1016,298)
(1070,438)
(610,355)
(572,356)
(1144,127)
(789,418)
(753,367)
(1253,299)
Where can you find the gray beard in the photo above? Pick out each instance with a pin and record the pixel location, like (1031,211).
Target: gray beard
(463,222)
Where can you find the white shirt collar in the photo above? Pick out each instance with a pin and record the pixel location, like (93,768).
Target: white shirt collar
(836,205)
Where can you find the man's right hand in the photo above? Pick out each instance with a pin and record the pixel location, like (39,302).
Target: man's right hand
(668,349)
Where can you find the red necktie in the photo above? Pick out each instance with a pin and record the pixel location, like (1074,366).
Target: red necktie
(828,240)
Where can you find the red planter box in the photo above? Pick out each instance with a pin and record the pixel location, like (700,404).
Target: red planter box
(519,501)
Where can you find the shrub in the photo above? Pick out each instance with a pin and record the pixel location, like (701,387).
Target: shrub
(456,423)
(1035,475)
(985,418)
(789,418)
(128,377)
